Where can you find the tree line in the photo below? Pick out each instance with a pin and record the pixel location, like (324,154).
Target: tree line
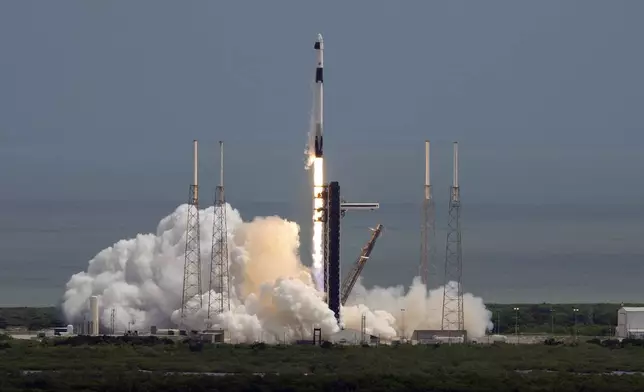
(558,319)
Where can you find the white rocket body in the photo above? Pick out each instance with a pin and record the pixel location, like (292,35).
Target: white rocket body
(318,98)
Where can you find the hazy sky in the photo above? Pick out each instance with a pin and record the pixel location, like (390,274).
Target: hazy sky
(101,100)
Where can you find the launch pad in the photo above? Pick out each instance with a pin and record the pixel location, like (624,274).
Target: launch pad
(328,208)
(332,212)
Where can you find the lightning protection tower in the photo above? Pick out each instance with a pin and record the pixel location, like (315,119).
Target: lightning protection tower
(219,294)
(191,301)
(112,319)
(453,290)
(427,228)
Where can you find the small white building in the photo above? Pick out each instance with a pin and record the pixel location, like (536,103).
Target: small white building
(630,323)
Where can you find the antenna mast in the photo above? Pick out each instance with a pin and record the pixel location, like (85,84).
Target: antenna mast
(219,294)
(191,301)
(453,289)
(427,229)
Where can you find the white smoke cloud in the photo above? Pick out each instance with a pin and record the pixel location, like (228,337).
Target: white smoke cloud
(422,310)
(272,294)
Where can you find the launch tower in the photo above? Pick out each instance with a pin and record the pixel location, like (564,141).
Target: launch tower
(191,301)
(332,214)
(219,294)
(332,259)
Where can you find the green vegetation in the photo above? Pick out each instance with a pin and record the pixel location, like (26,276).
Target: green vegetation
(144,363)
(31,318)
(592,319)
(412,381)
(148,353)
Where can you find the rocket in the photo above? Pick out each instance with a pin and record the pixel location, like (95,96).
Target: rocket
(317,108)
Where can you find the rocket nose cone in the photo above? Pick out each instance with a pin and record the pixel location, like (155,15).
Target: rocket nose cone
(319,39)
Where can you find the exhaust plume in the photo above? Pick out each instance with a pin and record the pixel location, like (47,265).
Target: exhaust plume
(273,295)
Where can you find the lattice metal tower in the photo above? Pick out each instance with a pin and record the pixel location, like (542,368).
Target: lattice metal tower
(112,319)
(219,295)
(453,289)
(192,267)
(427,267)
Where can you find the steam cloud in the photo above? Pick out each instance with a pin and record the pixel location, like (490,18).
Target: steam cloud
(273,297)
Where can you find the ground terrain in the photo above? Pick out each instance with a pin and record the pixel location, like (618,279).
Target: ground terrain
(149,364)
(142,363)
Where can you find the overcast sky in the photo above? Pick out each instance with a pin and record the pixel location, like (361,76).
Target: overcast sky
(101,100)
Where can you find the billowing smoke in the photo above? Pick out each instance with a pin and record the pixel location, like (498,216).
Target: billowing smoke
(273,297)
(422,309)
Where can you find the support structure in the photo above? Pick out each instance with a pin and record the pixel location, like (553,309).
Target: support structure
(333,212)
(219,286)
(351,279)
(427,266)
(453,290)
(324,216)
(191,301)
